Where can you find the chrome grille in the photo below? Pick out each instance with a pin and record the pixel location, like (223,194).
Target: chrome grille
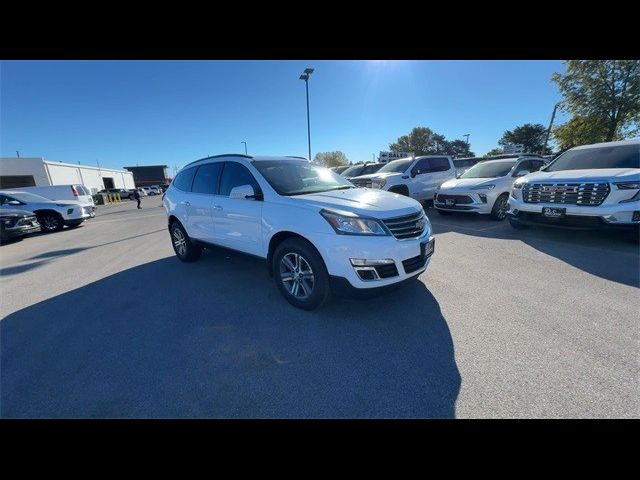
(407,226)
(584,194)
(364,182)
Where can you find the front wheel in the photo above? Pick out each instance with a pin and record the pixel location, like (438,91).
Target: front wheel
(500,207)
(185,249)
(300,274)
(50,222)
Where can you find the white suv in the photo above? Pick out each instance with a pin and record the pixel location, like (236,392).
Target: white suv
(485,187)
(317,232)
(589,186)
(415,177)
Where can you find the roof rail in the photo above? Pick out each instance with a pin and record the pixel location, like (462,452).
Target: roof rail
(218,156)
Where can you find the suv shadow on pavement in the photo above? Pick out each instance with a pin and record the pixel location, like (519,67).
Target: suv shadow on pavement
(607,254)
(215,339)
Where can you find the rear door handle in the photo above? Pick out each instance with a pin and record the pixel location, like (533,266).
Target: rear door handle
(217,208)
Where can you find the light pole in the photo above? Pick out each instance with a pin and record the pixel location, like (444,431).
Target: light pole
(245,147)
(305,77)
(546,140)
(467,135)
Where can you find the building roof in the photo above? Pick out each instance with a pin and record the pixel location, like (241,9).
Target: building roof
(148,166)
(76,165)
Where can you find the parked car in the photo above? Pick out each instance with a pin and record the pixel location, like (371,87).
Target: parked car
(594,186)
(485,187)
(316,231)
(151,191)
(157,189)
(362,169)
(464,164)
(339,169)
(415,177)
(52,215)
(123,192)
(74,191)
(142,192)
(17,224)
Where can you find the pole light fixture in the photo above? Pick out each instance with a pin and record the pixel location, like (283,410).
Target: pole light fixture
(305,76)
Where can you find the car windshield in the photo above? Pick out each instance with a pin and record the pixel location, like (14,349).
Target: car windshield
(28,197)
(397,166)
(619,156)
(489,169)
(354,171)
(293,177)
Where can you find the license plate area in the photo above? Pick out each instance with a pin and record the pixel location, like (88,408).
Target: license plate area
(553,212)
(450,202)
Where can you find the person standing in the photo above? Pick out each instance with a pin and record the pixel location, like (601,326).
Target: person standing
(136,195)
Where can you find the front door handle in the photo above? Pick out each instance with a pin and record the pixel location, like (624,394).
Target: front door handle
(186,203)
(217,208)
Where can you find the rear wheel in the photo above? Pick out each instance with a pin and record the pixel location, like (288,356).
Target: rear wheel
(50,222)
(300,274)
(500,207)
(185,249)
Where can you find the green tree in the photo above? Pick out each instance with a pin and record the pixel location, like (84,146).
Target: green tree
(603,97)
(458,149)
(494,151)
(579,131)
(530,136)
(331,159)
(421,141)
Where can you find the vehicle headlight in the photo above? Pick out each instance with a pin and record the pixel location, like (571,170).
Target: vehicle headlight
(484,187)
(628,185)
(378,182)
(518,184)
(353,225)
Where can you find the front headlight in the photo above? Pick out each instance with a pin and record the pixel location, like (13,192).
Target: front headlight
(347,225)
(628,185)
(484,187)
(378,182)
(518,184)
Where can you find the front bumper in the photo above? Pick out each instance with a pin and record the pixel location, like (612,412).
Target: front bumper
(338,250)
(20,231)
(616,215)
(477,205)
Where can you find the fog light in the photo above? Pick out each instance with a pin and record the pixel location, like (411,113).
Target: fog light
(361,262)
(636,216)
(483,197)
(69,211)
(368,274)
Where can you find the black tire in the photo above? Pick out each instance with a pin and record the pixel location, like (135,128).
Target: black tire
(516,224)
(444,212)
(499,210)
(186,250)
(401,189)
(313,288)
(50,222)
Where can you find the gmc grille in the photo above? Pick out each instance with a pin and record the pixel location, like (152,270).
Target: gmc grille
(584,194)
(407,226)
(365,182)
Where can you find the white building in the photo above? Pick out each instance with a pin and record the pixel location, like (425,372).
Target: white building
(18,172)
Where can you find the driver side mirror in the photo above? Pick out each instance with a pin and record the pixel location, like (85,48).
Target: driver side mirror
(244,192)
(13,202)
(522,173)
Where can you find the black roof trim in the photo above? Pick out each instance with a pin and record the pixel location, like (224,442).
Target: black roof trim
(218,156)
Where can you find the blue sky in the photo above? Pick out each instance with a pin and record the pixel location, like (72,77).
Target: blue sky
(172,112)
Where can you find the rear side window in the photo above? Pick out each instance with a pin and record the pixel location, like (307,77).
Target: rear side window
(234,175)
(439,165)
(183,180)
(206,178)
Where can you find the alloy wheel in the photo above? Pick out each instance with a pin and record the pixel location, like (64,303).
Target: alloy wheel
(297,276)
(502,208)
(179,242)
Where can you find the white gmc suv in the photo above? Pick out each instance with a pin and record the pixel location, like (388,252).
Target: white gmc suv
(588,186)
(415,177)
(317,232)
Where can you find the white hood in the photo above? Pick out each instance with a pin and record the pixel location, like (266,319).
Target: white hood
(466,183)
(593,175)
(377,175)
(363,201)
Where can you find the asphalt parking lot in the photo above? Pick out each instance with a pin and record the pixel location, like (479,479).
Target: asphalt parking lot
(104,321)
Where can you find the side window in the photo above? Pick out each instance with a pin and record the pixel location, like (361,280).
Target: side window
(421,166)
(184,179)
(234,175)
(206,178)
(525,165)
(439,164)
(537,165)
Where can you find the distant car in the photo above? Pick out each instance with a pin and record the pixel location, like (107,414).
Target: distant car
(339,169)
(16,224)
(52,215)
(362,169)
(142,192)
(158,188)
(123,192)
(485,187)
(154,190)
(73,191)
